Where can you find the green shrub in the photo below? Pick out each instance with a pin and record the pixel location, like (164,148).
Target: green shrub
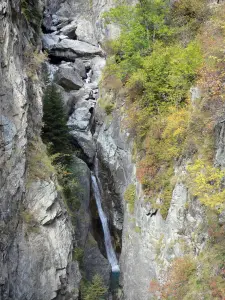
(106,105)
(109,108)
(33,61)
(206,182)
(130,196)
(31,11)
(78,254)
(39,163)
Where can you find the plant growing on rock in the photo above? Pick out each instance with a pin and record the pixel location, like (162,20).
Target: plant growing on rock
(130,196)
(206,182)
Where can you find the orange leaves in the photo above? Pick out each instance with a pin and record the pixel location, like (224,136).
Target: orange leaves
(179,275)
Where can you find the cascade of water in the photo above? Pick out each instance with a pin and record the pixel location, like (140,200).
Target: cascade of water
(107,237)
(89,74)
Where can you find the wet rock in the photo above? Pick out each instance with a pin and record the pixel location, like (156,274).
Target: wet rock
(95,262)
(82,175)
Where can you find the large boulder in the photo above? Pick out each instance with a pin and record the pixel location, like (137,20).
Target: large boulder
(85,141)
(68,78)
(69,30)
(49,40)
(70,49)
(80,67)
(81,117)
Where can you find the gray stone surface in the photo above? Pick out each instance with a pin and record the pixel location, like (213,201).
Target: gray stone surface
(43,247)
(80,119)
(69,30)
(80,67)
(85,141)
(49,40)
(36,233)
(71,49)
(68,78)
(95,262)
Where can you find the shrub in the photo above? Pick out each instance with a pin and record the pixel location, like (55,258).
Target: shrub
(33,61)
(130,196)
(163,145)
(39,164)
(78,254)
(32,13)
(109,108)
(189,16)
(206,182)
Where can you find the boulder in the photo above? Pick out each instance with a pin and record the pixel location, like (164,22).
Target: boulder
(69,30)
(49,40)
(70,49)
(81,117)
(85,141)
(80,67)
(68,78)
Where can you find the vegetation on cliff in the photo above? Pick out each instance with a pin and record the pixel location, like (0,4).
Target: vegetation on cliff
(162,52)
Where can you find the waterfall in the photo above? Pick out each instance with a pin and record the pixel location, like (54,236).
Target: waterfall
(107,237)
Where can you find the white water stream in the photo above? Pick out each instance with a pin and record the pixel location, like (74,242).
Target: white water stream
(107,237)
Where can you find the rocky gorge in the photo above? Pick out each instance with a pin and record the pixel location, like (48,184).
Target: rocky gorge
(47,251)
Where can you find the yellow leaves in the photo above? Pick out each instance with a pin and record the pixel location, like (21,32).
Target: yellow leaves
(176,123)
(205,182)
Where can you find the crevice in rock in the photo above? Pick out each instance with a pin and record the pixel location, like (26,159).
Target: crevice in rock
(57,60)
(151,214)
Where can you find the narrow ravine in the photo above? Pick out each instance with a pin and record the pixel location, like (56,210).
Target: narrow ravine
(75,68)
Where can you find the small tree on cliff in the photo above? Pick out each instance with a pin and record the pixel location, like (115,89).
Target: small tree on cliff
(55,132)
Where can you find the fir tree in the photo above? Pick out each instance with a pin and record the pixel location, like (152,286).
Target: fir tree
(55,132)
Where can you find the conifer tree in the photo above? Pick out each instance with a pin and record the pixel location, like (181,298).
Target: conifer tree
(55,132)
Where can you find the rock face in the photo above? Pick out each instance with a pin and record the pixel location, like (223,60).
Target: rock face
(36,233)
(149,243)
(37,237)
(43,248)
